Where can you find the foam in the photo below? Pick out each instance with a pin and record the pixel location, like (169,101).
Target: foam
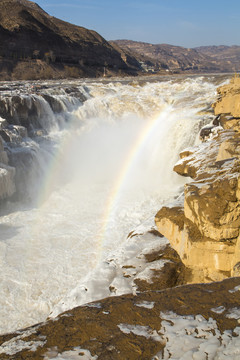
(71,248)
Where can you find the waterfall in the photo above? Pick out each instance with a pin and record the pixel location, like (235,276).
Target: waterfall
(96,161)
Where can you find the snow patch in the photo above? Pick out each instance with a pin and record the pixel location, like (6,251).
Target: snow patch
(140,330)
(233,313)
(76,354)
(194,337)
(237,288)
(218,310)
(148,272)
(94,305)
(17,343)
(146,304)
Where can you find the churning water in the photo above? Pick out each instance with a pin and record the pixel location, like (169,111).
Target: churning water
(107,164)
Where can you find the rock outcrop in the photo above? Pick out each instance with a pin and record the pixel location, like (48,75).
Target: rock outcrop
(150,325)
(229,99)
(204,227)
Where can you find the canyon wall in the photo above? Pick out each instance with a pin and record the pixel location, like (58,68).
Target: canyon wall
(203,225)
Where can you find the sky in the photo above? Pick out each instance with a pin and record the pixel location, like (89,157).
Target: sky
(188,23)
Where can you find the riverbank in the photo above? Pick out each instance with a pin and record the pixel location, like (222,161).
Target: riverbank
(204,228)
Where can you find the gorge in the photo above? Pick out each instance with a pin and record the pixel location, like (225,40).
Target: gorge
(88,166)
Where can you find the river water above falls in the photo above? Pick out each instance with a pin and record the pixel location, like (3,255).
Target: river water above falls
(103,167)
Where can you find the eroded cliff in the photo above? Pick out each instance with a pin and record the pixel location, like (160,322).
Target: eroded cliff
(204,226)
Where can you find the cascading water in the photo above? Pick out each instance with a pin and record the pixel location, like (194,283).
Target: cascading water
(110,169)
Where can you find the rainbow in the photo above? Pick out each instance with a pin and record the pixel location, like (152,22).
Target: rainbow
(122,177)
(115,194)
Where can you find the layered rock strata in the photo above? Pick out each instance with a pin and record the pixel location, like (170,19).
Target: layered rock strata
(229,99)
(204,227)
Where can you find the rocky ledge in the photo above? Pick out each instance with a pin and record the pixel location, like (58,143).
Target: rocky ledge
(150,325)
(167,316)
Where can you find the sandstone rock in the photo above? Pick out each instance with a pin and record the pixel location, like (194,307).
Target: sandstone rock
(208,260)
(228,122)
(214,206)
(199,162)
(229,101)
(204,228)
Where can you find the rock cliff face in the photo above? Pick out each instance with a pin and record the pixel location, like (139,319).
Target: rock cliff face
(229,101)
(204,227)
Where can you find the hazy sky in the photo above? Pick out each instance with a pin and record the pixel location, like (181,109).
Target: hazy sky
(186,23)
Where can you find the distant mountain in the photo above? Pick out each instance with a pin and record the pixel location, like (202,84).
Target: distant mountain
(228,56)
(34,44)
(177,59)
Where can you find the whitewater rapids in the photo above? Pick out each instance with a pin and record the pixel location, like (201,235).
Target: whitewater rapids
(109,173)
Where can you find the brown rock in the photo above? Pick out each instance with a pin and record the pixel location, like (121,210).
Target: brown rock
(167,276)
(126,327)
(229,122)
(229,99)
(204,229)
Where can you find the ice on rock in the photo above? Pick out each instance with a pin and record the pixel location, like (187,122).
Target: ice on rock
(194,337)
(18,343)
(233,313)
(75,354)
(237,288)
(140,330)
(219,309)
(146,304)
